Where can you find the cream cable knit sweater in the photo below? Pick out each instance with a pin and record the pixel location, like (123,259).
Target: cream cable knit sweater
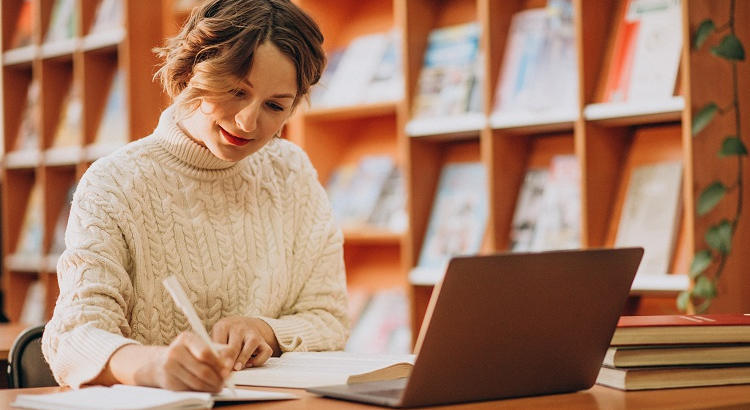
(252,238)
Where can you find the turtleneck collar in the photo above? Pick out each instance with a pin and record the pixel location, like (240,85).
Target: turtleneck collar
(173,139)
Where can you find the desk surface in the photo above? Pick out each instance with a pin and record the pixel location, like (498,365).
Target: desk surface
(8,333)
(598,397)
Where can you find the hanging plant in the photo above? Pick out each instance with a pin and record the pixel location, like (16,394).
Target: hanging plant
(709,263)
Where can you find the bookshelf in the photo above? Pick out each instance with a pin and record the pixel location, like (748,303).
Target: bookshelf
(86,63)
(608,139)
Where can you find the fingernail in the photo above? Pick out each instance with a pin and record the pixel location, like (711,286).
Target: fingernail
(238,366)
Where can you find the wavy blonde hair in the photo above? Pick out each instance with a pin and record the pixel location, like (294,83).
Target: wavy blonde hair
(214,50)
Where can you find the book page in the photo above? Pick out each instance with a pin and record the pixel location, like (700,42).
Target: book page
(309,369)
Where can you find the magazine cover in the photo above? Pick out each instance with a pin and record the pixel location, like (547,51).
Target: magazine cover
(528,209)
(458,218)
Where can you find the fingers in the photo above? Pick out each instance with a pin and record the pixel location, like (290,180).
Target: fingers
(191,365)
(262,354)
(255,351)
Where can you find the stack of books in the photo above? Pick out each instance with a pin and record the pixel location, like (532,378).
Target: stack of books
(669,351)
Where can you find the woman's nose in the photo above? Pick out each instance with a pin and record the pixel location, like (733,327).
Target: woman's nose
(247,118)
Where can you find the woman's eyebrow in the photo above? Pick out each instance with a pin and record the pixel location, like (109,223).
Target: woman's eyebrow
(283,95)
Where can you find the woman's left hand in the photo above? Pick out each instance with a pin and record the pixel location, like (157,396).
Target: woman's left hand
(247,339)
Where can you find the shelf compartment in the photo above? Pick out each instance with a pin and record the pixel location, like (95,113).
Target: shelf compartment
(106,39)
(636,113)
(61,48)
(354,111)
(531,122)
(666,284)
(21,55)
(371,236)
(62,156)
(23,263)
(466,125)
(23,159)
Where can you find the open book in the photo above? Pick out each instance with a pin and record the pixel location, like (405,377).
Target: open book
(136,397)
(310,369)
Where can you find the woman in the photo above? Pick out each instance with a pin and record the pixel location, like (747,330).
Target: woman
(215,198)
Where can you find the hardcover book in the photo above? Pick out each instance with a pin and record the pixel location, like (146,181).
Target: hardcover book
(644,378)
(650,214)
(682,329)
(670,355)
(448,72)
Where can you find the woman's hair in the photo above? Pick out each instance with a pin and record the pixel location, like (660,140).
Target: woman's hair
(214,50)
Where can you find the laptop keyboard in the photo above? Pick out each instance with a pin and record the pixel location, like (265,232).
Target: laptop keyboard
(390,393)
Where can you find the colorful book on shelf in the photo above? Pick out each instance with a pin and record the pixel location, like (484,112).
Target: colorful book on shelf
(458,219)
(390,209)
(109,15)
(682,329)
(28,132)
(69,129)
(319,90)
(559,223)
(650,214)
(113,128)
(672,355)
(354,192)
(539,71)
(646,378)
(646,52)
(61,224)
(62,22)
(308,369)
(528,209)
(32,226)
(23,34)
(387,82)
(140,398)
(358,65)
(448,72)
(383,325)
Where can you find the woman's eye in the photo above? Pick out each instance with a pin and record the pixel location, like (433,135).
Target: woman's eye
(238,93)
(275,107)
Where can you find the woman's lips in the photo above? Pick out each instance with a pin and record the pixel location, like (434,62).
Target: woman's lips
(233,139)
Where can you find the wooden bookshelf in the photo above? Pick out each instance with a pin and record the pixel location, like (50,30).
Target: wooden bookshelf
(87,62)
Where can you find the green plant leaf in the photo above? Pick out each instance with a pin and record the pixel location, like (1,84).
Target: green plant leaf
(704,288)
(719,237)
(730,48)
(710,197)
(682,300)
(732,146)
(701,261)
(704,30)
(704,117)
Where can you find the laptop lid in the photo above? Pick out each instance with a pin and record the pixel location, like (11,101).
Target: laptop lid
(511,325)
(519,324)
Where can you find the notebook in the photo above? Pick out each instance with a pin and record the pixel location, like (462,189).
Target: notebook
(137,397)
(511,325)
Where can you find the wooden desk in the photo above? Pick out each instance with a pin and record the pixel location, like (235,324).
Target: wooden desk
(8,333)
(729,397)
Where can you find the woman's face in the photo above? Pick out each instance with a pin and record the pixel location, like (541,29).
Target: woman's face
(254,112)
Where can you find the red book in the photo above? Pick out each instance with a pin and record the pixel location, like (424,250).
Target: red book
(682,329)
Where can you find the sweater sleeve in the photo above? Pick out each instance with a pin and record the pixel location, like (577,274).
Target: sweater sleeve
(318,318)
(90,317)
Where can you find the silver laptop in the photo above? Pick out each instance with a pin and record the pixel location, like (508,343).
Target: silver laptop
(511,325)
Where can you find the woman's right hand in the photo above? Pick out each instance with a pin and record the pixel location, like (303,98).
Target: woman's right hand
(186,364)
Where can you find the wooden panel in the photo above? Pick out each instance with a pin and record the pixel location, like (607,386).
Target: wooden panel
(594,27)
(15,89)
(16,285)
(453,12)
(17,186)
(99,69)
(373,267)
(710,79)
(9,13)
(57,182)
(56,80)
(600,151)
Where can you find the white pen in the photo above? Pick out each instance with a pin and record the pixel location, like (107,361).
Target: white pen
(180,298)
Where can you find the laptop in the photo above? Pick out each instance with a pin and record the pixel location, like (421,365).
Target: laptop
(511,325)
